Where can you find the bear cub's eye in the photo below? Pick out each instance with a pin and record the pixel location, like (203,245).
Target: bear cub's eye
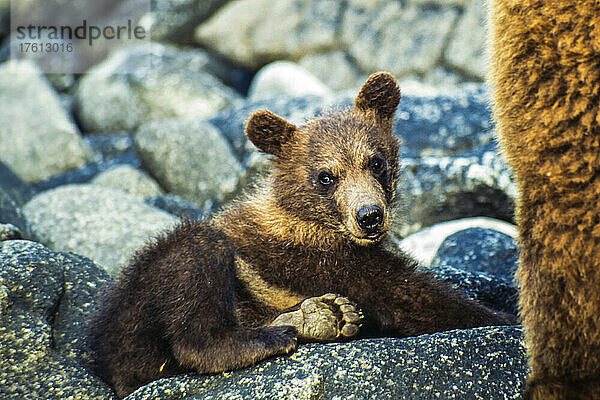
(377,165)
(325,178)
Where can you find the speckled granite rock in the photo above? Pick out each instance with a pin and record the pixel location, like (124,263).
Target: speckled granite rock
(284,77)
(483,363)
(44,300)
(480,250)
(189,158)
(424,243)
(128,179)
(346,75)
(37,139)
(374,38)
(466,50)
(269,30)
(165,82)
(436,189)
(104,224)
(445,122)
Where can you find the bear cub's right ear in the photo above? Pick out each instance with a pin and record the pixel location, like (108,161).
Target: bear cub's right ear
(268,131)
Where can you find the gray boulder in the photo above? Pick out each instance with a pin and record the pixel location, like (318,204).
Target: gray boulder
(466,50)
(128,179)
(104,224)
(285,78)
(149,82)
(37,137)
(483,363)
(334,68)
(423,244)
(189,158)
(437,189)
(267,30)
(396,38)
(480,250)
(45,298)
(444,122)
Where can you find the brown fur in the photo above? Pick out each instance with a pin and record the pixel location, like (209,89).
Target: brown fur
(546,79)
(200,298)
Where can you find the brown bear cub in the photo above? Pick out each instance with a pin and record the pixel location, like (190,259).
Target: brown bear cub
(226,293)
(546,80)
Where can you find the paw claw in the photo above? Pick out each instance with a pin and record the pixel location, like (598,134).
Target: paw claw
(341,300)
(351,317)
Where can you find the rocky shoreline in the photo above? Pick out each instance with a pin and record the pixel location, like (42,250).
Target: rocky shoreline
(92,166)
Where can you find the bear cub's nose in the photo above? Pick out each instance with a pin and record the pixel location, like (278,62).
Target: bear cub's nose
(369,218)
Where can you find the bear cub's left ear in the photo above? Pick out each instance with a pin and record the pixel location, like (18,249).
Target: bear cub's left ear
(379,97)
(268,131)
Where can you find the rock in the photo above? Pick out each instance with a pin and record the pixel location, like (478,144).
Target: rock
(267,30)
(396,38)
(175,21)
(444,122)
(37,139)
(10,232)
(439,189)
(483,363)
(334,68)
(283,77)
(161,82)
(106,225)
(45,298)
(479,250)
(128,179)
(14,186)
(189,158)
(466,50)
(423,245)
(176,206)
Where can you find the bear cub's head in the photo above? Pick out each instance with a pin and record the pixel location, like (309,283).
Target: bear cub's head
(339,170)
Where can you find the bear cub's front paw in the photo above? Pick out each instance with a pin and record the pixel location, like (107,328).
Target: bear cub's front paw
(325,318)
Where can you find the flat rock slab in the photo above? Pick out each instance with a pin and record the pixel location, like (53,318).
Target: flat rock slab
(106,225)
(482,363)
